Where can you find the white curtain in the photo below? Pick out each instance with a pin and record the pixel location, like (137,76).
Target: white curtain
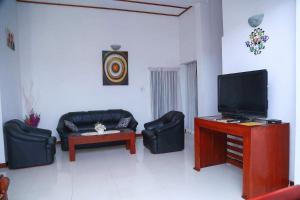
(192,96)
(165,90)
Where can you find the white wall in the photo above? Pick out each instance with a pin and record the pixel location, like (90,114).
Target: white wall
(2,150)
(187,49)
(9,69)
(278,57)
(187,36)
(209,32)
(297,137)
(201,31)
(61,52)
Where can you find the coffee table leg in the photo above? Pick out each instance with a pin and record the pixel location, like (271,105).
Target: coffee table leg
(71,152)
(132,145)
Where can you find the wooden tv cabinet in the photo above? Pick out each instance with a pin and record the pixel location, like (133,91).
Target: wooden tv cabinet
(263,154)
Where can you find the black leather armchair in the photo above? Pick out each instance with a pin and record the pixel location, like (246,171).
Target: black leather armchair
(165,134)
(26,146)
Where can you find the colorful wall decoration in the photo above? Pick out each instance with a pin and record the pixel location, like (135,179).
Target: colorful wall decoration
(115,67)
(257,41)
(257,38)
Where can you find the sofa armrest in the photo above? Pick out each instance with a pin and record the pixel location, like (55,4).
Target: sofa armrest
(153,124)
(29,138)
(44,133)
(149,133)
(51,146)
(170,134)
(166,127)
(156,126)
(62,132)
(133,124)
(52,140)
(41,132)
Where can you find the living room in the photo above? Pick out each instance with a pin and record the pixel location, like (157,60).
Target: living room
(53,58)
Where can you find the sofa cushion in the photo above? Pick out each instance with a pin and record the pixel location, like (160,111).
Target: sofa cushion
(83,128)
(110,125)
(123,123)
(79,118)
(99,116)
(71,126)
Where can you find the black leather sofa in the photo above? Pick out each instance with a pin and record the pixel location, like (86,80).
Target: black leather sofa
(26,146)
(85,121)
(165,134)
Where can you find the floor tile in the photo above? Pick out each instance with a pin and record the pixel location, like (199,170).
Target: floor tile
(111,173)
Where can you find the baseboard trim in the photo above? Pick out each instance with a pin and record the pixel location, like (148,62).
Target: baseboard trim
(3,165)
(138,135)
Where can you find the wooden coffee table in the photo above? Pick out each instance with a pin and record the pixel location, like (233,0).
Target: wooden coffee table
(75,139)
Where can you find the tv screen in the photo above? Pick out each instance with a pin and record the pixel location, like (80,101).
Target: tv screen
(243,94)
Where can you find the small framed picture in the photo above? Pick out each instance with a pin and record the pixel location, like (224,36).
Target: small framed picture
(10,39)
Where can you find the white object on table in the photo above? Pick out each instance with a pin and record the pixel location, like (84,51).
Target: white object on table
(96,133)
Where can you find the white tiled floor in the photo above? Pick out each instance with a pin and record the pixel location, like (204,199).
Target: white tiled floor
(111,173)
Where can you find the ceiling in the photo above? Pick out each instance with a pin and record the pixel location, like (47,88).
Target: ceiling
(175,2)
(157,7)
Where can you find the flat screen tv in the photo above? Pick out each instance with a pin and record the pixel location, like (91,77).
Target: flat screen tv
(243,94)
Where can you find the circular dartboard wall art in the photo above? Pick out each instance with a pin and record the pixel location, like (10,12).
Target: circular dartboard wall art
(115,67)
